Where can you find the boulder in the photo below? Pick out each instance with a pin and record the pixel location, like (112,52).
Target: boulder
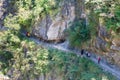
(52,29)
(55,31)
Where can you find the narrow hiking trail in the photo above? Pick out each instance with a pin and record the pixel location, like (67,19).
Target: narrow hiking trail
(64,47)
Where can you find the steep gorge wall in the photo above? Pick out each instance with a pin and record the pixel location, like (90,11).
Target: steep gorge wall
(108,46)
(5,9)
(52,28)
(3,4)
(105,43)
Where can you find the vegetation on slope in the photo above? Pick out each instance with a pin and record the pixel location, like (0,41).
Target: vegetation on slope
(98,14)
(24,13)
(37,61)
(29,61)
(79,33)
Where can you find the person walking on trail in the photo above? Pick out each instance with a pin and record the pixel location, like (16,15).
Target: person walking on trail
(28,34)
(99,59)
(87,54)
(82,52)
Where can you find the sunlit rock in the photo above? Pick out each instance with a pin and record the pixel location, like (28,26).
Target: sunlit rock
(115,48)
(116,42)
(52,29)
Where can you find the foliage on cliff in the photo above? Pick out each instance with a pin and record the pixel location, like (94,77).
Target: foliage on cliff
(20,55)
(24,14)
(98,14)
(79,33)
(107,11)
(28,60)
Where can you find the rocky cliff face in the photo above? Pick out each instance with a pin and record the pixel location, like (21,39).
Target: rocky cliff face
(5,9)
(50,28)
(107,45)
(2,10)
(114,53)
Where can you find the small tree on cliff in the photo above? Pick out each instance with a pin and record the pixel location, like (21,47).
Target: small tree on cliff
(79,33)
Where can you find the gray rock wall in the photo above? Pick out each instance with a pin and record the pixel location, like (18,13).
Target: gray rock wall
(3,5)
(1,12)
(50,28)
(108,46)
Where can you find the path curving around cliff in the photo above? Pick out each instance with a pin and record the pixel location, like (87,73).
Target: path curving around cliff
(63,47)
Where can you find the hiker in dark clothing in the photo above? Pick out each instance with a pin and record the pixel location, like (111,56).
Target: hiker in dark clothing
(82,51)
(28,34)
(87,54)
(99,59)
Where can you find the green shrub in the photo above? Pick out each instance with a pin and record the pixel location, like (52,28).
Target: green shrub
(27,12)
(79,33)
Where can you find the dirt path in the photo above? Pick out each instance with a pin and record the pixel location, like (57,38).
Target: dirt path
(106,67)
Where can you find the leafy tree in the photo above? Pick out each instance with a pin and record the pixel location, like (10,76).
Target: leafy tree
(27,12)
(21,56)
(79,33)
